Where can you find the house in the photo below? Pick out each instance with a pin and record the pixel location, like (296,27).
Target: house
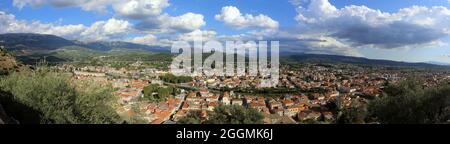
(237,102)
(275,104)
(211,106)
(213,98)
(93,74)
(226,98)
(257,105)
(120,83)
(309,115)
(279,111)
(179,114)
(203,92)
(139,84)
(287,102)
(158,82)
(128,94)
(291,110)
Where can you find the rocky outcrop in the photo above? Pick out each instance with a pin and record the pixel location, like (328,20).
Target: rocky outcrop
(5,118)
(8,62)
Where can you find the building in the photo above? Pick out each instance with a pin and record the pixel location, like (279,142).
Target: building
(226,98)
(203,92)
(237,102)
(128,94)
(94,74)
(309,115)
(287,102)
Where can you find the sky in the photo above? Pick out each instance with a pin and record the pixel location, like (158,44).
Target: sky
(401,30)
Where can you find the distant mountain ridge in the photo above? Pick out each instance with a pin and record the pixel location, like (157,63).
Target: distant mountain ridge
(321,58)
(438,63)
(24,42)
(31,41)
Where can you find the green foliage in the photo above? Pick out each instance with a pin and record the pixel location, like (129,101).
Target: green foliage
(193,117)
(93,104)
(162,93)
(355,114)
(170,78)
(75,53)
(224,114)
(235,114)
(56,100)
(409,102)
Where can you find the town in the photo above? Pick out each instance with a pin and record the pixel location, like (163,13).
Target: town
(308,92)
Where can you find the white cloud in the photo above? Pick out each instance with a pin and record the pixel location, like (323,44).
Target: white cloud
(231,15)
(87,5)
(197,35)
(134,9)
(140,9)
(188,21)
(292,41)
(148,13)
(113,29)
(360,26)
(166,24)
(9,24)
(148,39)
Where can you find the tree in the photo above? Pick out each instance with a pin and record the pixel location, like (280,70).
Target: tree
(353,115)
(226,114)
(235,114)
(193,117)
(55,99)
(410,102)
(93,104)
(162,93)
(170,78)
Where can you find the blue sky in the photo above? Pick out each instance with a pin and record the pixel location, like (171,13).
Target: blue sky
(372,28)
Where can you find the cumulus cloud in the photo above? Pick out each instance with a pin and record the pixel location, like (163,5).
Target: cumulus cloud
(112,29)
(140,9)
(360,26)
(9,24)
(147,13)
(231,15)
(168,40)
(165,23)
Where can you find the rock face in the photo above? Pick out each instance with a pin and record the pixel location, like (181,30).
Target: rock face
(8,62)
(4,118)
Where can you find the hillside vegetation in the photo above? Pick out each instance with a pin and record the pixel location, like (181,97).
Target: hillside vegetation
(44,96)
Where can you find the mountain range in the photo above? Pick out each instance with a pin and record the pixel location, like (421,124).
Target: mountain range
(26,44)
(30,41)
(322,58)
